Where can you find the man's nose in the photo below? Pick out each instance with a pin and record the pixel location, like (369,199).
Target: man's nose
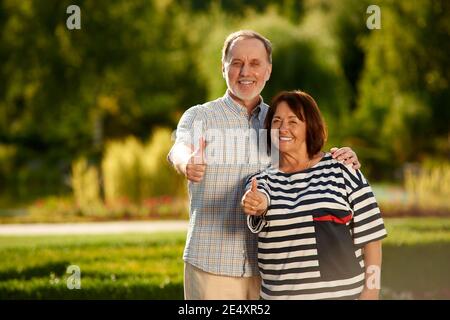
(244,69)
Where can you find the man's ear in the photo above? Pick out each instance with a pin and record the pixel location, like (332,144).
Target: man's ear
(268,73)
(223,70)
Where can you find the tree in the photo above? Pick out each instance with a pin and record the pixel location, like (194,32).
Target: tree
(63,92)
(403,114)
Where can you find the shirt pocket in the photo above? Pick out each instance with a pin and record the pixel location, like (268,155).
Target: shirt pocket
(335,248)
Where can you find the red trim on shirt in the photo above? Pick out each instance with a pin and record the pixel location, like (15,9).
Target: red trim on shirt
(330,217)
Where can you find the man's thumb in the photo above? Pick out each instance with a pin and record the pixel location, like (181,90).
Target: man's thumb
(199,157)
(202,146)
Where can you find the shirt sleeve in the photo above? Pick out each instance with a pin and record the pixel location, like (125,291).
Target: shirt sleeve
(367,224)
(257,223)
(190,124)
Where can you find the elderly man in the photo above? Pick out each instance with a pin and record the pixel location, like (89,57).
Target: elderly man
(216,153)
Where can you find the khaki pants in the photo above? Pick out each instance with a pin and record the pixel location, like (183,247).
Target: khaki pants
(201,285)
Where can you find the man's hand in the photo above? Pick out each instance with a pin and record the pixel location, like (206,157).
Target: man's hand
(254,202)
(346,154)
(194,170)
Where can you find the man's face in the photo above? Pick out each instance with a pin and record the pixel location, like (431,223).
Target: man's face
(247,69)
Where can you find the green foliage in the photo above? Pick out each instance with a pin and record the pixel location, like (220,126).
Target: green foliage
(63,92)
(136,65)
(116,54)
(64,209)
(347,26)
(7,154)
(429,188)
(52,209)
(135,171)
(402,112)
(292,9)
(86,186)
(122,169)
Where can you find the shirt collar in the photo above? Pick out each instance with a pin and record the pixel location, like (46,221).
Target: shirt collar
(241,109)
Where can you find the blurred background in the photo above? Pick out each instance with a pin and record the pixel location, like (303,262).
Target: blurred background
(86,121)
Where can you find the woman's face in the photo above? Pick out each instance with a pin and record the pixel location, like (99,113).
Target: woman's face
(292,131)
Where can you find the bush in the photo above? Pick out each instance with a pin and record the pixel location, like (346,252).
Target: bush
(429,187)
(85,185)
(136,171)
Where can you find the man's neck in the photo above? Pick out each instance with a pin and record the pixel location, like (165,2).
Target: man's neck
(250,105)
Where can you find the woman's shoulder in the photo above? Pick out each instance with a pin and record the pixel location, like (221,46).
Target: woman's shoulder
(346,169)
(354,176)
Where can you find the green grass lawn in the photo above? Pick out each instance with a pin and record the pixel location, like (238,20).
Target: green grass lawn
(130,266)
(416,264)
(416,259)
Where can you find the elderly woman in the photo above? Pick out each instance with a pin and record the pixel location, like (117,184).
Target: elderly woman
(319,224)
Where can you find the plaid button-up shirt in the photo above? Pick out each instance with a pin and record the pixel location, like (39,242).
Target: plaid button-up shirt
(218,239)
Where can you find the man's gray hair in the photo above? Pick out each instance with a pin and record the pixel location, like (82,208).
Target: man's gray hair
(245,34)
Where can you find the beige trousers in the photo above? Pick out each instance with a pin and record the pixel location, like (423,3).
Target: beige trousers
(201,285)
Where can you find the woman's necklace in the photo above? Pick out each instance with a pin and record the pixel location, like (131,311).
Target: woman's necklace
(297,168)
(307,165)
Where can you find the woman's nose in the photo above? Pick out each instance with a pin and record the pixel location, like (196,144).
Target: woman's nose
(283,126)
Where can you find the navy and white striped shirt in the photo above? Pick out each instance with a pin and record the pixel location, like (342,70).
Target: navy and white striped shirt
(310,240)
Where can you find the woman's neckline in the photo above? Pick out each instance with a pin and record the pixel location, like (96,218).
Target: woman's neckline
(325,155)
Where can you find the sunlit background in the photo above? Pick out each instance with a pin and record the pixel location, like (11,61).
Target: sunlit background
(86,122)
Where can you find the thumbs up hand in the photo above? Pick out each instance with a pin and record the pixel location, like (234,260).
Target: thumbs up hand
(198,156)
(254,202)
(196,166)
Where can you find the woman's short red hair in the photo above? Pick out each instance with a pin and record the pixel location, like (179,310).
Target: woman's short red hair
(306,109)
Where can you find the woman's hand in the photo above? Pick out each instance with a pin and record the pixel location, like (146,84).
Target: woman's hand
(346,154)
(369,294)
(254,202)
(372,263)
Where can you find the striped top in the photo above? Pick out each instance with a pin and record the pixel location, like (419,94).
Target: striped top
(218,240)
(310,240)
